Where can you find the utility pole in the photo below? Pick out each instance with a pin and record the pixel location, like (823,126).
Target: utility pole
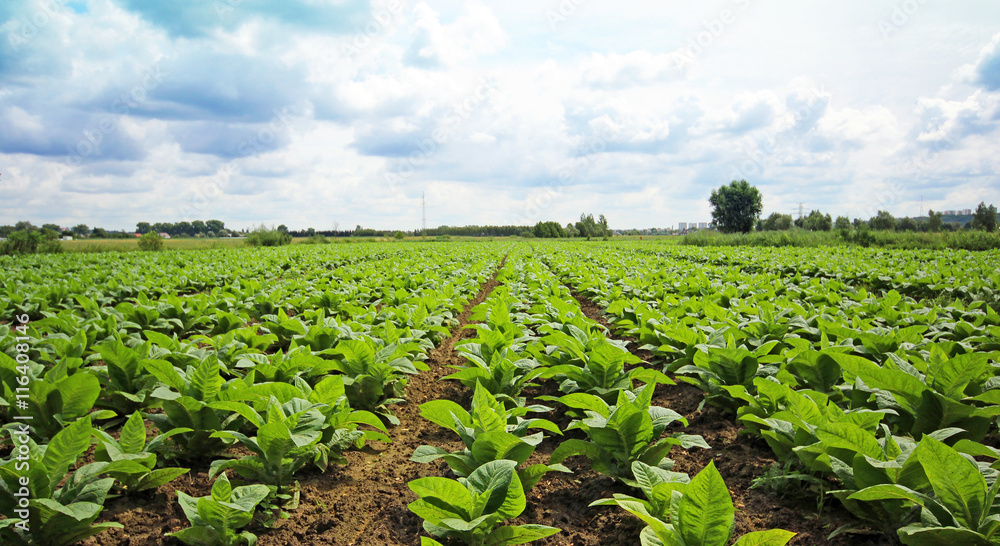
(423,203)
(800,211)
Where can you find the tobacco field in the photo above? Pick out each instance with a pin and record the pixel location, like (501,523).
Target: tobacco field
(499,393)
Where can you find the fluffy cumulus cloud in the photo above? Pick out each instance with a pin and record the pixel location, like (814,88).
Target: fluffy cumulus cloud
(326,112)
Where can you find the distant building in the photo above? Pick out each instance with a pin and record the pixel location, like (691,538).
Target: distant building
(67,238)
(702,225)
(164,234)
(682,226)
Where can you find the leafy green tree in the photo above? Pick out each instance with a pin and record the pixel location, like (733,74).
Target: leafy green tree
(215,225)
(907,224)
(52,227)
(399,236)
(776,222)
(81,230)
(283,228)
(883,221)
(985,218)
(736,207)
(588,227)
(571,230)
(548,230)
(842,224)
(143,228)
(24,225)
(198,226)
(99,233)
(934,221)
(182,229)
(817,221)
(603,222)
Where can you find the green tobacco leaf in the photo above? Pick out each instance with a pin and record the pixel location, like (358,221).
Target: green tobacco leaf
(957,483)
(913,535)
(133,435)
(706,511)
(65,448)
(521,534)
(79,393)
(773,537)
(440,412)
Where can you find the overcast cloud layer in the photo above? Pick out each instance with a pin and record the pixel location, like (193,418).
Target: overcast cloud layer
(313,113)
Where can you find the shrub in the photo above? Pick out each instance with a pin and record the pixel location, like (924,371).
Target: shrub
(399,236)
(264,236)
(151,242)
(31,242)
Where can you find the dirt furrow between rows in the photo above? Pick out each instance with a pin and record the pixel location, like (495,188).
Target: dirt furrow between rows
(365,502)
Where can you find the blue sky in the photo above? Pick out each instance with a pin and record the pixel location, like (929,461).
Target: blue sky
(316,113)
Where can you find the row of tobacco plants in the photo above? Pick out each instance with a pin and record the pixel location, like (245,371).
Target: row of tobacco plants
(531,330)
(119,372)
(875,371)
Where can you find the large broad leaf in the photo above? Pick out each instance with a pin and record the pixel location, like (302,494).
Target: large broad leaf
(585,401)
(706,512)
(498,489)
(952,376)
(442,498)
(521,534)
(773,537)
(79,393)
(206,382)
(65,448)
(444,412)
(913,535)
(494,446)
(133,436)
(905,388)
(956,481)
(848,436)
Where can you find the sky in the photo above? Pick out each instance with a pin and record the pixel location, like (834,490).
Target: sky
(333,113)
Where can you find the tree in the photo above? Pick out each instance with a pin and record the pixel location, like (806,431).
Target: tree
(143,228)
(24,225)
(197,226)
(571,230)
(776,222)
(985,218)
(907,224)
(817,221)
(736,207)
(283,228)
(588,227)
(934,221)
(883,221)
(215,225)
(100,233)
(81,230)
(842,224)
(603,222)
(183,229)
(52,227)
